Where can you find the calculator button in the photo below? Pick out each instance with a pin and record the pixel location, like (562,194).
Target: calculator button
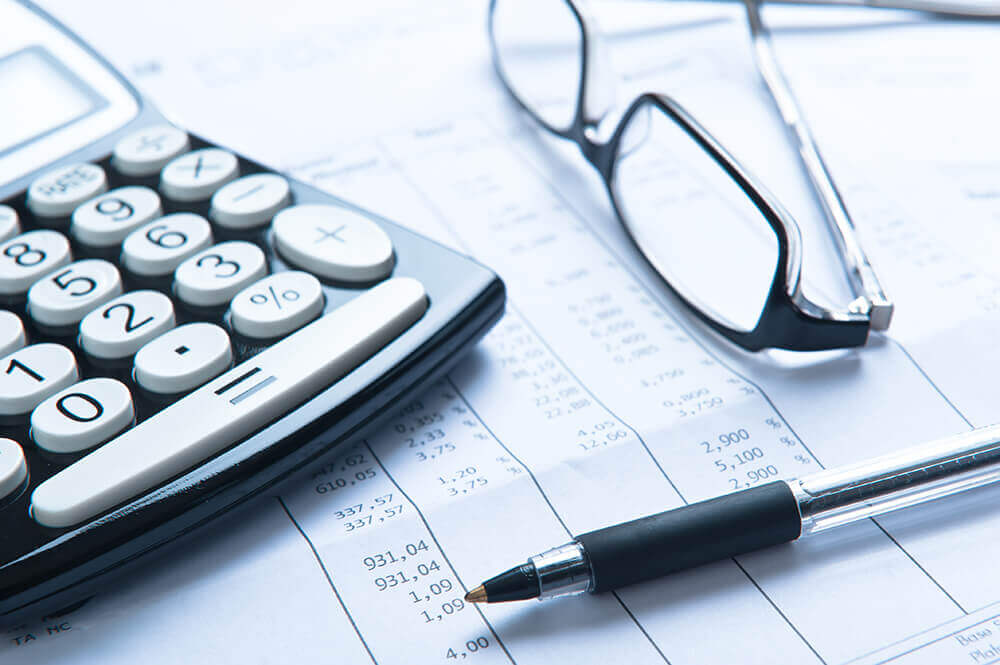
(231,407)
(122,326)
(333,242)
(183,358)
(106,220)
(13,468)
(250,201)
(12,335)
(160,246)
(59,191)
(148,150)
(81,416)
(277,305)
(29,256)
(196,175)
(65,296)
(33,373)
(10,226)
(214,276)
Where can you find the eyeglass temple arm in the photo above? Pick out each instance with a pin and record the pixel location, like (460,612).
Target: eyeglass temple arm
(956,9)
(944,8)
(863,280)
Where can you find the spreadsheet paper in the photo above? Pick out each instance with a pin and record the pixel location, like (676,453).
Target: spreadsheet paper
(596,399)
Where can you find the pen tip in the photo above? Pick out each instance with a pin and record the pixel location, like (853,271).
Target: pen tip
(477,595)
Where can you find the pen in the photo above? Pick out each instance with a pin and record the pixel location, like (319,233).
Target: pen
(751,519)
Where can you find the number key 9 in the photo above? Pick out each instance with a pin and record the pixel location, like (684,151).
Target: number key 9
(106,220)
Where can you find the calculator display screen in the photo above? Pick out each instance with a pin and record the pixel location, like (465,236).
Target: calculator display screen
(39,95)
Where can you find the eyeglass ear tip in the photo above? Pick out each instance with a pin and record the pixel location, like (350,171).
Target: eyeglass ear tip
(879,312)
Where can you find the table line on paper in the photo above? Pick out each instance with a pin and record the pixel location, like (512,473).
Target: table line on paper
(918,565)
(899,655)
(930,381)
(777,609)
(430,532)
(683,325)
(548,502)
(329,579)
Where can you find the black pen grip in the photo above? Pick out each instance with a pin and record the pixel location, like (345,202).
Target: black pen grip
(711,530)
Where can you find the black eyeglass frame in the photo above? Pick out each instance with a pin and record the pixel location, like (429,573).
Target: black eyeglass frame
(788,320)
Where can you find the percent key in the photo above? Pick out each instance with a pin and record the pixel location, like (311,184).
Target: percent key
(277,305)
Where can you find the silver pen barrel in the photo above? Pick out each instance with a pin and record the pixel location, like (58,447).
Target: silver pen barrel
(916,475)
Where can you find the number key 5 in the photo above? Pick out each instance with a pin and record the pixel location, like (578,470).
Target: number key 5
(65,296)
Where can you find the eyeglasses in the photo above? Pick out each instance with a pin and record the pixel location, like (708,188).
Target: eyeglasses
(720,242)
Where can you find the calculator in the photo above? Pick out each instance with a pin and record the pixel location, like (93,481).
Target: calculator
(181,327)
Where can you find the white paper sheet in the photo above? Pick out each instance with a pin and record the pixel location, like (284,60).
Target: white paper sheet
(596,399)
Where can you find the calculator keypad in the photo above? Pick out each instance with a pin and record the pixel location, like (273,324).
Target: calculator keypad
(156,390)
(13,468)
(105,221)
(231,406)
(81,416)
(33,373)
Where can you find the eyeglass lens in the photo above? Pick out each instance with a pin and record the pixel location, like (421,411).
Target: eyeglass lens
(692,220)
(539,45)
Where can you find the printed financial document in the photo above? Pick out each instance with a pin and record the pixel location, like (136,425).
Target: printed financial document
(596,399)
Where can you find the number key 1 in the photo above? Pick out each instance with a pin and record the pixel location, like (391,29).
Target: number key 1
(32,374)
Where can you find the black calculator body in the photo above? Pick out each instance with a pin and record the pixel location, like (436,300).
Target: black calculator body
(181,326)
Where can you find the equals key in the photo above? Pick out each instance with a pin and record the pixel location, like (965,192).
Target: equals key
(248,388)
